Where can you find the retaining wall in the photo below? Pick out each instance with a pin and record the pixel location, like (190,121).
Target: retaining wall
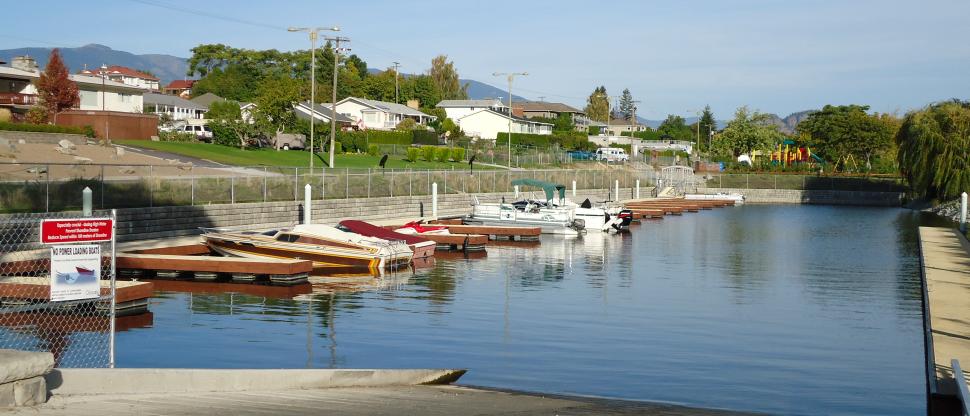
(39,137)
(792,196)
(164,222)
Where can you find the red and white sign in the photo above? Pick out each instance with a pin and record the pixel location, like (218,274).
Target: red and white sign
(80,230)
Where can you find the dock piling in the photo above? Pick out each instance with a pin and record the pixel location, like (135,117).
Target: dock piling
(963,212)
(307,190)
(434,200)
(86,201)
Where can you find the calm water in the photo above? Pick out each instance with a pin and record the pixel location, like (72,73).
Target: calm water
(780,309)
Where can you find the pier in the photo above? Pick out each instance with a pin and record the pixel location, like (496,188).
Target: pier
(945,256)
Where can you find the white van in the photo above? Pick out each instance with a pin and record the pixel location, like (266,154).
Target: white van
(612,154)
(201,131)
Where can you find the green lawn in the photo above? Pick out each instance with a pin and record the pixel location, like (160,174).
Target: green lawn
(288,158)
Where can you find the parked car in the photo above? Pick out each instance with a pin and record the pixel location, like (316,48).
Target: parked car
(612,154)
(201,131)
(287,141)
(581,155)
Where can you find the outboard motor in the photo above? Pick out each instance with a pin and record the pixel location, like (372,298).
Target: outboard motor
(578,225)
(626,217)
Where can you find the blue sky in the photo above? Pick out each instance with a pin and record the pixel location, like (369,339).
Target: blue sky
(674,56)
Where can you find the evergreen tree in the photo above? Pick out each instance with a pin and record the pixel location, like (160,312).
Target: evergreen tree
(627,106)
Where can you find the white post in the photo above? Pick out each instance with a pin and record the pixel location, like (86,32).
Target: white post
(86,201)
(574,189)
(963,212)
(616,189)
(516,188)
(434,200)
(638,189)
(306,203)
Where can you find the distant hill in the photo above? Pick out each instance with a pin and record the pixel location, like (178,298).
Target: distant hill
(166,67)
(477,90)
(689,120)
(787,125)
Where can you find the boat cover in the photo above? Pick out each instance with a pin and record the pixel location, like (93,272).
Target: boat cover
(371,230)
(548,187)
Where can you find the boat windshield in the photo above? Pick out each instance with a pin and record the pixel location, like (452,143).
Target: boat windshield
(269,233)
(289,238)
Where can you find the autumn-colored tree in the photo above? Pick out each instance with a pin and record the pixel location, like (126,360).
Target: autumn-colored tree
(57,91)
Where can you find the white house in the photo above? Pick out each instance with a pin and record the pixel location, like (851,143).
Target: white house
(18,89)
(379,115)
(126,76)
(174,106)
(487,123)
(456,109)
(322,113)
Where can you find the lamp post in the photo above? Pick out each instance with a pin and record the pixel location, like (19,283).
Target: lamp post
(333,104)
(397,99)
(104,73)
(510,76)
(313,77)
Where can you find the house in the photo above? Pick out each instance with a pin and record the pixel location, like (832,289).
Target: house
(487,123)
(379,115)
(180,87)
(322,114)
(542,109)
(622,125)
(126,76)
(456,109)
(18,90)
(175,107)
(207,99)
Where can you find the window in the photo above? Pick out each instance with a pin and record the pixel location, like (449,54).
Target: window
(370,117)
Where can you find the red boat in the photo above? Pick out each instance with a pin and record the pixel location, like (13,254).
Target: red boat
(422,247)
(415,227)
(83,270)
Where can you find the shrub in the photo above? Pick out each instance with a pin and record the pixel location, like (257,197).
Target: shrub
(406,125)
(413,154)
(424,137)
(427,153)
(373,150)
(458,154)
(338,148)
(221,134)
(441,154)
(43,128)
(176,136)
(5,115)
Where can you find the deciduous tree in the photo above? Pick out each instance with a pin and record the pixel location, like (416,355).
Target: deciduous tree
(846,132)
(597,105)
(56,90)
(934,149)
(446,78)
(747,132)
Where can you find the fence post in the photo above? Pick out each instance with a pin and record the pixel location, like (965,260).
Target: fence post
(963,212)
(296,184)
(264,183)
(638,190)
(151,185)
(111,328)
(410,182)
(232,189)
(192,190)
(307,194)
(86,201)
(516,188)
(390,186)
(323,183)
(368,182)
(616,189)
(102,186)
(434,200)
(446,182)
(747,181)
(775,177)
(347,183)
(574,188)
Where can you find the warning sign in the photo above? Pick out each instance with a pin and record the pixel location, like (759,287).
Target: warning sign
(84,230)
(75,272)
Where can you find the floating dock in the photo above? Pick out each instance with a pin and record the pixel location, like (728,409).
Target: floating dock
(659,207)
(132,297)
(275,271)
(945,256)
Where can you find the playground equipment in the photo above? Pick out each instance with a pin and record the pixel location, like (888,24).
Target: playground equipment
(788,154)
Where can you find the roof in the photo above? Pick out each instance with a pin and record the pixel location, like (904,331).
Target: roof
(548,187)
(503,115)
(8,72)
(208,98)
(544,106)
(181,84)
(121,70)
(323,111)
(622,122)
(471,103)
(388,107)
(172,100)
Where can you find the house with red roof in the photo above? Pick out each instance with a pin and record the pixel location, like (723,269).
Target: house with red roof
(180,87)
(125,75)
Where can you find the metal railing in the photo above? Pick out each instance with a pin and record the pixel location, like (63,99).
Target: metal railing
(961,381)
(50,188)
(13,98)
(802,182)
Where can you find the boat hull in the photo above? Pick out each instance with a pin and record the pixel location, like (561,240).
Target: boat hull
(546,227)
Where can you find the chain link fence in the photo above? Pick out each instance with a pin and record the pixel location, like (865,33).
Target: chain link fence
(804,182)
(77,332)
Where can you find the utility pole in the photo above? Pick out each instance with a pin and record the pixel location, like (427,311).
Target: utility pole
(333,104)
(314,33)
(397,99)
(542,98)
(511,76)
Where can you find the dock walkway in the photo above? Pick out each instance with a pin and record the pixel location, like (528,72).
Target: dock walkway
(946,270)
(393,400)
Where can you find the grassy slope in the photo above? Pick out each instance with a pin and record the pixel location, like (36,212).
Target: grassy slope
(269,157)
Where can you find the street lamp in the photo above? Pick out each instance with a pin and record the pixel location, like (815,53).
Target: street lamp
(333,105)
(104,73)
(313,77)
(511,76)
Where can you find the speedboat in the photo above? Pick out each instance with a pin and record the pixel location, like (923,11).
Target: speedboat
(550,218)
(421,247)
(327,247)
(603,218)
(417,228)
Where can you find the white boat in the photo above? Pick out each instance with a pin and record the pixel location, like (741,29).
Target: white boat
(327,247)
(603,218)
(737,198)
(529,213)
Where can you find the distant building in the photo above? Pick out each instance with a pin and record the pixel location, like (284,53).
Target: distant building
(486,124)
(18,90)
(379,115)
(207,99)
(126,76)
(180,87)
(322,113)
(622,125)
(177,108)
(542,109)
(456,109)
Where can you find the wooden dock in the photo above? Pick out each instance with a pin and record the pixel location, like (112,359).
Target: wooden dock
(496,232)
(945,256)
(659,207)
(462,242)
(276,271)
(132,297)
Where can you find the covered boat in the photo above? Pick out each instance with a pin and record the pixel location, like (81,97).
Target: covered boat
(550,218)
(420,246)
(327,247)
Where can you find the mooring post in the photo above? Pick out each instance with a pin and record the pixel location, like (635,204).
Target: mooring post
(963,212)
(306,203)
(574,188)
(638,189)
(616,189)
(516,188)
(86,201)
(434,200)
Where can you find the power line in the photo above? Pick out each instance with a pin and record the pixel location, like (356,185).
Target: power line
(196,12)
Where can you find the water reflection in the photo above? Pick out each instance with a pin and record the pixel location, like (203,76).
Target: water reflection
(780,309)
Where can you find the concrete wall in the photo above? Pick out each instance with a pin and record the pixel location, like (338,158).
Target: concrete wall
(164,222)
(791,196)
(37,137)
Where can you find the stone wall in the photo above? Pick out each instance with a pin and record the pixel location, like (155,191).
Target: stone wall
(792,196)
(38,137)
(163,222)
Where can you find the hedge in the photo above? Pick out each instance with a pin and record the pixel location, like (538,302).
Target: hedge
(565,140)
(427,153)
(424,137)
(47,128)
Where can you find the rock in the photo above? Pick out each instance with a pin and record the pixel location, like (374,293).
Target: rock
(186,166)
(22,141)
(127,170)
(20,365)
(83,160)
(38,170)
(66,144)
(64,150)
(155,138)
